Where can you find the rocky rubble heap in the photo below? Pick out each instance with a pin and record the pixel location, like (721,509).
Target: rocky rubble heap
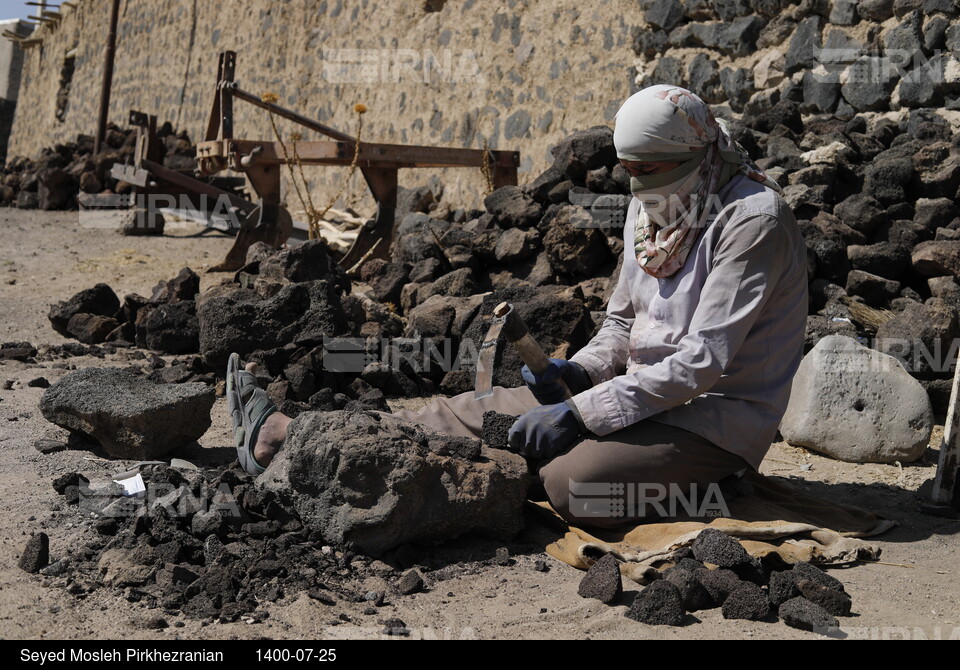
(53,180)
(205,543)
(165,322)
(215,544)
(716,571)
(866,149)
(874,197)
(416,331)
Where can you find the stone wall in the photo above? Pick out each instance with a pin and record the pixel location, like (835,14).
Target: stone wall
(841,56)
(11,59)
(11,64)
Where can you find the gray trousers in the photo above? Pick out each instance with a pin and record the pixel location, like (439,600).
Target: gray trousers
(645,472)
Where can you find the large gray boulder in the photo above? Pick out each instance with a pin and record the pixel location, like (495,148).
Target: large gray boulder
(857,405)
(129,416)
(374,482)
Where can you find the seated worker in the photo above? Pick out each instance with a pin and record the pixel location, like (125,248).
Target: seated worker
(687,380)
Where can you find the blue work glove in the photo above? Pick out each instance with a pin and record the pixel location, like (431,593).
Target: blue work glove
(545,387)
(546,431)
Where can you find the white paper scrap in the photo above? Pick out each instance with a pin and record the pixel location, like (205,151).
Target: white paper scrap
(132,486)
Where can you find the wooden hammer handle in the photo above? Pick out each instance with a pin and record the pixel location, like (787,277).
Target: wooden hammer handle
(515,330)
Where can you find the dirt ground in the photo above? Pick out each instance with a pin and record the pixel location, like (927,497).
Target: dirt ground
(47,257)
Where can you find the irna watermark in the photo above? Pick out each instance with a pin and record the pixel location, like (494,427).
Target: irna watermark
(394,66)
(632,500)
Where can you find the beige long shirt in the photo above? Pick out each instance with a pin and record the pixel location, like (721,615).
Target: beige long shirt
(712,349)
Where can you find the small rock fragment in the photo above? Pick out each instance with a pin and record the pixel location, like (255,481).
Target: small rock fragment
(716,547)
(815,574)
(106,526)
(719,583)
(496,428)
(395,627)
(411,582)
(658,604)
(602,580)
(47,446)
(805,615)
(747,601)
(688,564)
(322,597)
(693,593)
(155,622)
(782,587)
(36,554)
(835,602)
(57,568)
(502,556)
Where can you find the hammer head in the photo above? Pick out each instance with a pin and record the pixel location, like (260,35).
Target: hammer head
(488,352)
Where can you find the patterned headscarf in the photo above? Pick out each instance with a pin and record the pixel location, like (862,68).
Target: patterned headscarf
(669,123)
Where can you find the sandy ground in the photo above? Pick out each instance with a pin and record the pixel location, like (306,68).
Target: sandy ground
(46,257)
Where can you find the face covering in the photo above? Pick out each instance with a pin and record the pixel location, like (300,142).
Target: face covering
(664,222)
(668,123)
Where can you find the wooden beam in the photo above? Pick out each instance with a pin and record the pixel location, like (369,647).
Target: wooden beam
(197,186)
(371,154)
(289,115)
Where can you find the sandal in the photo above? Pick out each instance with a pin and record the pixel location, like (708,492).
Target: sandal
(249,407)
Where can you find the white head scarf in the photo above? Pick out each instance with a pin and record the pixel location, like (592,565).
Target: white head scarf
(669,123)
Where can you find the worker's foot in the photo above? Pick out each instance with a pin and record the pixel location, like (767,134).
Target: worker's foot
(256,432)
(271,437)
(272,434)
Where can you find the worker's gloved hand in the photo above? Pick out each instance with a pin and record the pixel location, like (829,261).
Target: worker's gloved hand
(545,387)
(546,431)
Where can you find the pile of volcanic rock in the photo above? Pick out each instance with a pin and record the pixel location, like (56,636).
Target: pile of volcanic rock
(164,322)
(716,571)
(213,547)
(874,196)
(552,259)
(53,180)
(879,257)
(415,331)
(216,544)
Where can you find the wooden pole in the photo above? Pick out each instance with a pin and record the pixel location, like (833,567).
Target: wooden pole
(108,61)
(945,482)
